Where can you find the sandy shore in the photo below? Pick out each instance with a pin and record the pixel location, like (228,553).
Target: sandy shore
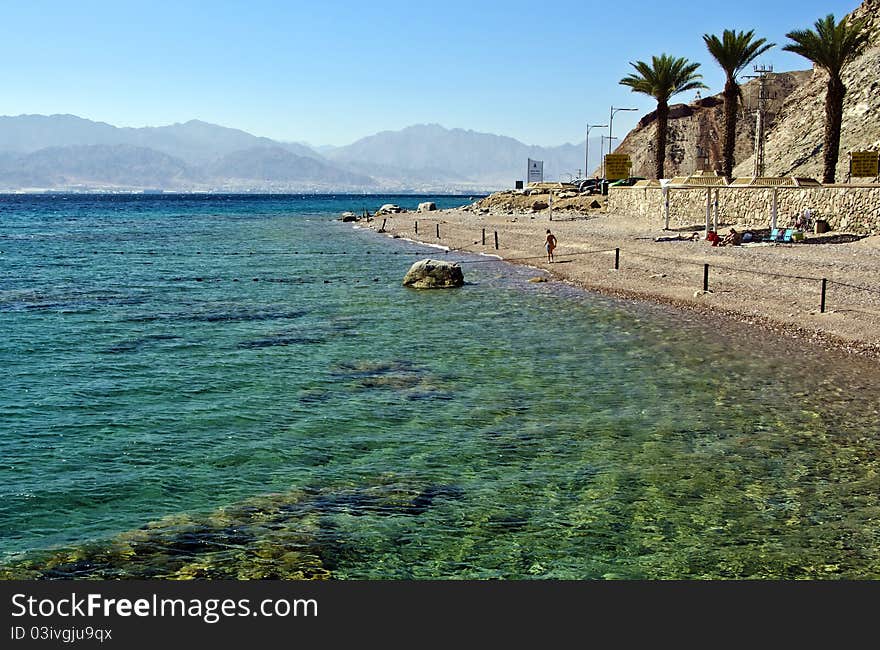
(745,282)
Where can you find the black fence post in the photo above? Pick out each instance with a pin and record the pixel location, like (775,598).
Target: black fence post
(705,277)
(417,227)
(616,259)
(484,236)
(822,303)
(438,231)
(496,240)
(383,225)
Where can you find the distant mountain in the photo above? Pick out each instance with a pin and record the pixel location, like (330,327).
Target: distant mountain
(431,152)
(199,142)
(66,151)
(276,164)
(89,165)
(195,142)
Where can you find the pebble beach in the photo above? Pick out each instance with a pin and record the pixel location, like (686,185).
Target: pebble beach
(775,286)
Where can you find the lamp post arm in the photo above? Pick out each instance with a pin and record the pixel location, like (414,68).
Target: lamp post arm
(611,123)
(610,129)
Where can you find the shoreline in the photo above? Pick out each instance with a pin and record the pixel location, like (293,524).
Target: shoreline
(850,325)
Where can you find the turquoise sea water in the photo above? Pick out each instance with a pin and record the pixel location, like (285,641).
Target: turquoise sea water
(234,386)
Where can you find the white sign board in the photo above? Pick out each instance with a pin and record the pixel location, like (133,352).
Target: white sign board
(536,171)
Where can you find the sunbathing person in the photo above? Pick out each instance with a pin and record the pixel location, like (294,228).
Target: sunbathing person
(733,238)
(691,237)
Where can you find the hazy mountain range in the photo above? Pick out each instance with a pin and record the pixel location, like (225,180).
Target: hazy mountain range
(65,152)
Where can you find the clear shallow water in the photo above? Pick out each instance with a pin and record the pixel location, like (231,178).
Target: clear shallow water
(185,396)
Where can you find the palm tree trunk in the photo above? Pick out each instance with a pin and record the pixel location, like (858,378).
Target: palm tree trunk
(833,119)
(731,96)
(660,149)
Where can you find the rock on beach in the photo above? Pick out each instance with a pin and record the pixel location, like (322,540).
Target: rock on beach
(389,208)
(433,274)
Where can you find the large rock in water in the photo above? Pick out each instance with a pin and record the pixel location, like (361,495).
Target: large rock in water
(433,274)
(427,206)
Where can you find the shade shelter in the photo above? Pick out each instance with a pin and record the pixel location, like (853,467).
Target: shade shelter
(774,182)
(698,180)
(712,184)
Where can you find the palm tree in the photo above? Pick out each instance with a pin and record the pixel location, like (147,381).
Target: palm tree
(733,52)
(665,77)
(831,47)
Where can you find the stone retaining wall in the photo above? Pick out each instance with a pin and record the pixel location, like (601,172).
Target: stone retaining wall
(853,209)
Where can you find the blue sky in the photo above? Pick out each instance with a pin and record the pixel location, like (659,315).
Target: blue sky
(330,72)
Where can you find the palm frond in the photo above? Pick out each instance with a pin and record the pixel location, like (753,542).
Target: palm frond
(831,45)
(735,50)
(664,77)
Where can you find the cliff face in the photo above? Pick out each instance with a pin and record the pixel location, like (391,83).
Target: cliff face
(794,144)
(795,127)
(696,129)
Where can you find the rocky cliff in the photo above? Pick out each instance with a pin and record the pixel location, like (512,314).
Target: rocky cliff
(695,129)
(795,127)
(794,143)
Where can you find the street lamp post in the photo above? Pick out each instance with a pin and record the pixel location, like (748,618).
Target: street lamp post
(611,123)
(587,155)
(611,137)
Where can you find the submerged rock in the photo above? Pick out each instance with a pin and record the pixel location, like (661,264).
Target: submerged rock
(433,274)
(361,369)
(282,536)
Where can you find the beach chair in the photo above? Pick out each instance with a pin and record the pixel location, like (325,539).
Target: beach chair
(787,237)
(775,235)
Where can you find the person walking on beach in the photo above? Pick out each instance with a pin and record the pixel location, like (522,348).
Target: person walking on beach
(550,245)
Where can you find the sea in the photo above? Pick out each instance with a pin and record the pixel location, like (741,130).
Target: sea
(238,386)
